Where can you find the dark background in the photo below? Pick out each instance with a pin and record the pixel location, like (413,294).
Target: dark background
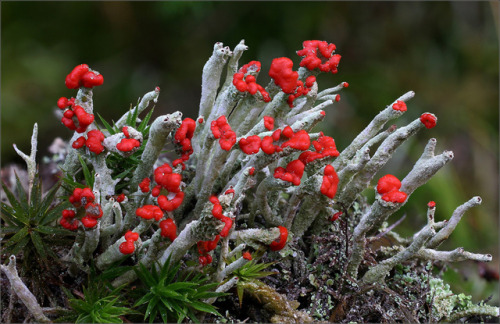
(447,52)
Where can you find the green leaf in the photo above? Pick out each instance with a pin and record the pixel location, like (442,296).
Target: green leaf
(124,173)
(20,246)
(20,212)
(35,196)
(204,307)
(9,229)
(89,177)
(39,246)
(108,126)
(49,198)
(23,199)
(54,213)
(144,275)
(53,230)
(151,305)
(72,183)
(145,121)
(114,272)
(240,290)
(8,214)
(17,237)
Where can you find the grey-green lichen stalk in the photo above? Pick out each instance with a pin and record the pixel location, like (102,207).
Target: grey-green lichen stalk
(251,175)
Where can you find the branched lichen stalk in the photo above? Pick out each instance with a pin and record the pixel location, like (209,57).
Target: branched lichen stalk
(381,270)
(457,255)
(158,133)
(143,104)
(24,294)
(371,130)
(31,159)
(446,231)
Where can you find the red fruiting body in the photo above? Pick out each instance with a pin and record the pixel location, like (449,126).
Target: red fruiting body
(337,98)
(309,156)
(64,102)
(69,123)
(277,134)
(128,144)
(330,182)
(229,191)
(78,194)
(293,172)
(299,141)
(68,113)
(172,204)
(301,89)
(131,236)
(310,81)
(144,185)
(222,131)
(217,213)
(68,213)
(127,247)
(281,241)
(156,191)
(184,134)
(395,196)
(204,247)
(283,75)
(89,222)
(324,146)
(149,212)
(228,223)
(203,260)
(252,170)
(200,120)
(66,220)
(176,162)
(431,204)
(319,54)
(267,145)
(72,226)
(227,140)
(388,186)
(250,145)
(84,118)
(166,179)
(120,198)
(81,76)
(214,200)
(168,229)
(90,80)
(287,132)
(94,141)
(429,120)
(249,83)
(336,216)
(345,84)
(78,143)
(399,105)
(246,255)
(74,77)
(268,122)
(93,210)
(125,131)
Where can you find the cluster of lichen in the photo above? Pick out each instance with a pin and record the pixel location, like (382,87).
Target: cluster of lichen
(249,179)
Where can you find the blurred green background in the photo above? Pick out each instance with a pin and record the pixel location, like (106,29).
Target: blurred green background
(447,52)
